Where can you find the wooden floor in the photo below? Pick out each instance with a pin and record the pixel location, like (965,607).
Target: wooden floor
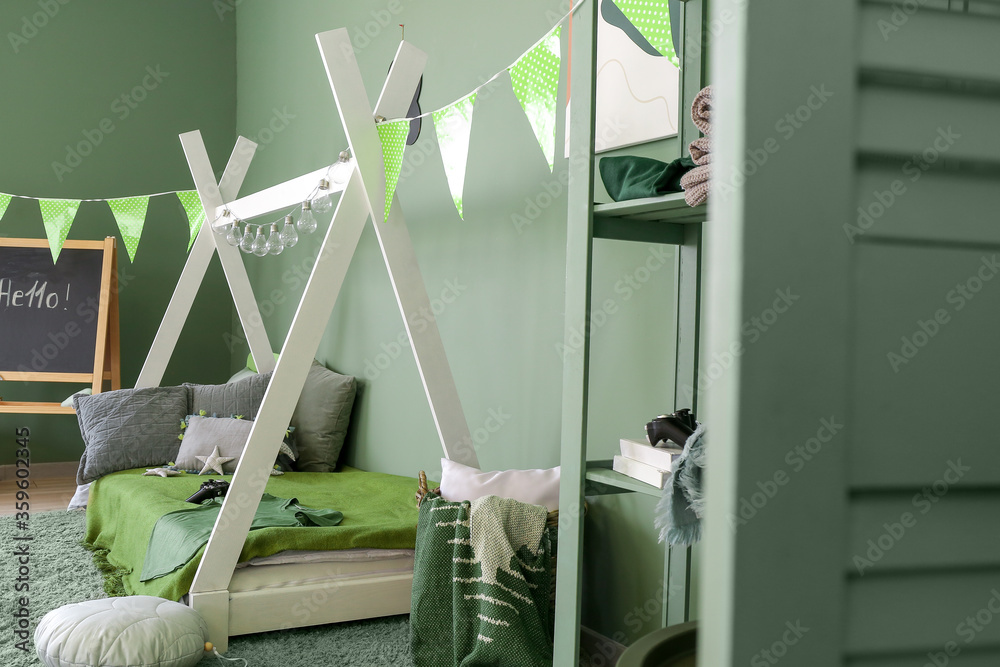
(46,494)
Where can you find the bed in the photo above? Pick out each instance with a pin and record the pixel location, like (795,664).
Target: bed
(362,568)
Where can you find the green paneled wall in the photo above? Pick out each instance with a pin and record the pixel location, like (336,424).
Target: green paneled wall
(506,274)
(60,80)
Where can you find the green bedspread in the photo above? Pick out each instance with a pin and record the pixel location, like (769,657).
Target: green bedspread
(379,513)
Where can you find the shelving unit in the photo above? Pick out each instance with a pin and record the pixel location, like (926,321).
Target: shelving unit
(668,220)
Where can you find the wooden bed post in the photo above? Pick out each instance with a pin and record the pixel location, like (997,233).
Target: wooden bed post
(363,196)
(206,244)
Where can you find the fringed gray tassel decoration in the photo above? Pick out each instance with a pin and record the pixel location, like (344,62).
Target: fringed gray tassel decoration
(678,514)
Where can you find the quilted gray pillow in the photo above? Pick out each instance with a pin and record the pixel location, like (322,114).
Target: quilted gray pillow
(129,428)
(242,397)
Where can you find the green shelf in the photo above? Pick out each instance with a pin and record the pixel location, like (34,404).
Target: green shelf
(603,481)
(649,220)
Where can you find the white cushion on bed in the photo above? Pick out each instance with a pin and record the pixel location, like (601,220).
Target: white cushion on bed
(114,632)
(535,487)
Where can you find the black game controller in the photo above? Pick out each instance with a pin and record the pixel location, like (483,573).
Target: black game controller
(213,488)
(673,428)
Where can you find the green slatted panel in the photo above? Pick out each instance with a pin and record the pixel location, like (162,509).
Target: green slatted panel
(919,201)
(954,373)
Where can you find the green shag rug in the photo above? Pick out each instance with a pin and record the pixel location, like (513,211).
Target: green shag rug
(62,572)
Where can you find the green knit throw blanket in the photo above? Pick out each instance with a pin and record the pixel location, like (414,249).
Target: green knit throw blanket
(481,585)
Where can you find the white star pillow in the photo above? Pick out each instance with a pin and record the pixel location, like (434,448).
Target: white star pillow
(213,462)
(162,472)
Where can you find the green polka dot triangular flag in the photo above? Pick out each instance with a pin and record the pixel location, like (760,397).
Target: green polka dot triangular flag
(4,203)
(453,126)
(535,79)
(58,216)
(195,212)
(652,19)
(393,136)
(130,213)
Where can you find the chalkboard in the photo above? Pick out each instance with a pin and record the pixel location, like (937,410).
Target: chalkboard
(49,313)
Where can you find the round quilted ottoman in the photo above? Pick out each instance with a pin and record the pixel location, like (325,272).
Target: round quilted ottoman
(114,632)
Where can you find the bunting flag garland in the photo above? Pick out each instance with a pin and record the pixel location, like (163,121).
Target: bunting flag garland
(195,213)
(58,216)
(535,79)
(453,126)
(4,203)
(130,214)
(652,20)
(393,136)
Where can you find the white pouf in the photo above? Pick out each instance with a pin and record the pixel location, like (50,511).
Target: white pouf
(114,632)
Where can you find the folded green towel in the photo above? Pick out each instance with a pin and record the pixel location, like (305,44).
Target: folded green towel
(633,177)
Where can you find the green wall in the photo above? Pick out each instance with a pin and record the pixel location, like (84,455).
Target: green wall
(61,80)
(502,328)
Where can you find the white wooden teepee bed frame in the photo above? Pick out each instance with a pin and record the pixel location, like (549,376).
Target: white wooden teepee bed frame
(363,197)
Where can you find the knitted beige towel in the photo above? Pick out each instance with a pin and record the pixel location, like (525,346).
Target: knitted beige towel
(695,184)
(701,151)
(701,111)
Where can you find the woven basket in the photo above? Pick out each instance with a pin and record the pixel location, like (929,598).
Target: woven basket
(551,523)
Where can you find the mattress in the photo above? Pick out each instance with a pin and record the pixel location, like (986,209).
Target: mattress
(287,571)
(379,514)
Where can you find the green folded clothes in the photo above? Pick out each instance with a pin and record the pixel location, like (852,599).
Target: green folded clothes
(179,535)
(633,177)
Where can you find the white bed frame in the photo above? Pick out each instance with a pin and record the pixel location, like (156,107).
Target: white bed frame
(362,198)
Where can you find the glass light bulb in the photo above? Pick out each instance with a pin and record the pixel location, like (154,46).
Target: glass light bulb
(259,247)
(222,222)
(233,237)
(289,237)
(274,244)
(246,243)
(307,223)
(342,170)
(323,202)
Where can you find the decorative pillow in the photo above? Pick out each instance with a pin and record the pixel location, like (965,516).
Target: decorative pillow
(201,435)
(535,487)
(137,631)
(236,398)
(321,418)
(128,428)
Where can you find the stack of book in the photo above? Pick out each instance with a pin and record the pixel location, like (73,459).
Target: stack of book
(640,460)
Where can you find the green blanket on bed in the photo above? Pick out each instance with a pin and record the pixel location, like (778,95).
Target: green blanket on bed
(379,513)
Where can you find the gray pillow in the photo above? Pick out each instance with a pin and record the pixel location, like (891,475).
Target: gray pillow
(242,397)
(204,434)
(129,428)
(321,418)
